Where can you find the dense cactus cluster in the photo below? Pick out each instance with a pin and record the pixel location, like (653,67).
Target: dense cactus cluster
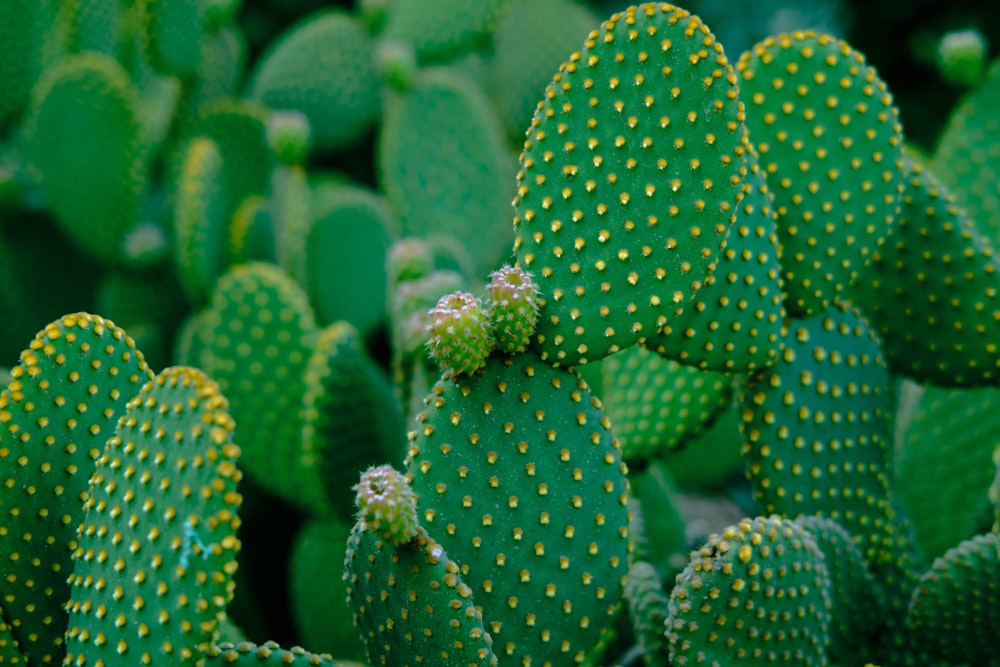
(441,332)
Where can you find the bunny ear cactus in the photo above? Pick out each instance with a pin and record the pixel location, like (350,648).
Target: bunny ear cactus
(816,431)
(933,289)
(521,481)
(512,302)
(735,322)
(173,31)
(324,68)
(830,141)
(84,113)
(756,593)
(460,333)
(256,343)
(410,602)
(157,547)
(621,228)
(200,223)
(268,654)
(57,411)
(22,32)
(442,29)
(955,611)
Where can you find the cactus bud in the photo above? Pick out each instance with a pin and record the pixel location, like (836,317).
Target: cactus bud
(288,136)
(408,259)
(396,63)
(961,56)
(513,306)
(460,337)
(387,505)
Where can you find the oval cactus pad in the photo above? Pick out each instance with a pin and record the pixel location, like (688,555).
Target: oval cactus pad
(630,177)
(831,142)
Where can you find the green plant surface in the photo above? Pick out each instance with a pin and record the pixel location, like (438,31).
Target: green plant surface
(84,112)
(830,141)
(173,33)
(269,654)
(520,480)
(58,410)
(323,67)
(170,565)
(621,231)
(442,29)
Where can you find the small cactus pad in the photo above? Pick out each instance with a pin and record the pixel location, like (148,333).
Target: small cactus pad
(460,335)
(449,177)
(169,566)
(735,322)
(629,180)
(84,140)
(22,32)
(411,604)
(656,404)
(944,464)
(955,611)
(512,301)
(268,654)
(968,156)
(351,419)
(323,67)
(857,606)
(816,427)
(200,223)
(520,479)
(173,33)
(257,340)
(318,592)
(387,505)
(830,141)
(756,593)
(57,412)
(933,290)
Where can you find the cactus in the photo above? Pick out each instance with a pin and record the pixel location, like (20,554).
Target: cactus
(621,233)
(460,333)
(200,224)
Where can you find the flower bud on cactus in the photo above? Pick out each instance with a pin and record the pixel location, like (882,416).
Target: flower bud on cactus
(460,337)
(387,505)
(288,136)
(513,305)
(396,63)
(961,56)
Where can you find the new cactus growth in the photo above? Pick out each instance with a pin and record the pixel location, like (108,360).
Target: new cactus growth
(460,335)
(512,302)
(387,505)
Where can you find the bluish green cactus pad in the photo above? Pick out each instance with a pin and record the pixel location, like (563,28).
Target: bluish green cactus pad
(831,143)
(323,67)
(932,290)
(630,178)
(157,548)
(816,431)
(521,481)
(955,611)
(57,413)
(656,404)
(756,593)
(84,140)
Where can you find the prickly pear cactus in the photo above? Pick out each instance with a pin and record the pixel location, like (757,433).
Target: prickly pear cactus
(170,565)
(955,610)
(269,654)
(460,336)
(831,143)
(410,601)
(932,289)
(521,482)
(816,431)
(621,229)
(756,593)
(58,411)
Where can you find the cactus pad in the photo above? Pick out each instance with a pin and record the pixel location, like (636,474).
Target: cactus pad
(152,580)
(269,654)
(84,140)
(757,593)
(933,289)
(512,302)
(441,29)
(323,67)
(174,30)
(460,335)
(57,412)
(520,480)
(816,431)
(831,143)
(955,611)
(629,180)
